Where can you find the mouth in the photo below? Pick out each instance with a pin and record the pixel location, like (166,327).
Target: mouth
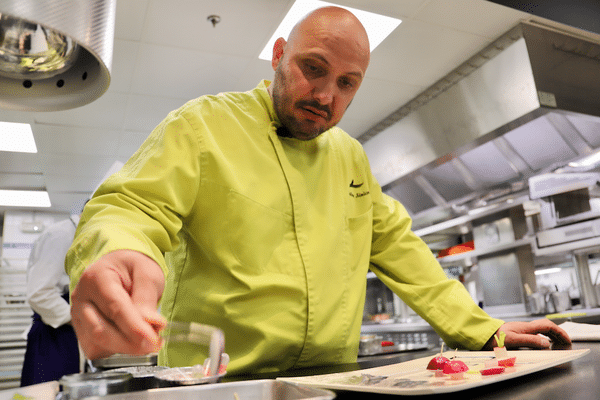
(312,111)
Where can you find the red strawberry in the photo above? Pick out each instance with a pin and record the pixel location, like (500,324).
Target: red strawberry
(455,366)
(437,363)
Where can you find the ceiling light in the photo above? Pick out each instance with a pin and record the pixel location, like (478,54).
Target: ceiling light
(24,198)
(547,271)
(54,54)
(16,137)
(378,26)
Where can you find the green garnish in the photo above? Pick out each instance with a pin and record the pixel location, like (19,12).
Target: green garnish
(500,340)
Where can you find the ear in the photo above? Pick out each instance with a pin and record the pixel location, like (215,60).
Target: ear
(277,52)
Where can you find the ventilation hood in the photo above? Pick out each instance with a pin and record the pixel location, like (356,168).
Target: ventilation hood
(54,54)
(527,104)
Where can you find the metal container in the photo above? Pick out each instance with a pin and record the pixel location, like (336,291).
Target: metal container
(246,390)
(124,360)
(536,304)
(80,386)
(144,377)
(561,301)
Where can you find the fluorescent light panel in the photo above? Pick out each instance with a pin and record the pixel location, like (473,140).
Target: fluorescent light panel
(16,137)
(547,271)
(24,198)
(378,26)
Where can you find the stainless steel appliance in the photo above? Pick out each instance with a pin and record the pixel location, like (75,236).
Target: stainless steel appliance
(569,206)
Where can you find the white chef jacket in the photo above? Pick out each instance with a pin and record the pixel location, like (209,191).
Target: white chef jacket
(47,280)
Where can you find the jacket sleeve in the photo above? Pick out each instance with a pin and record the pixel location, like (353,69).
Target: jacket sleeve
(142,206)
(407,266)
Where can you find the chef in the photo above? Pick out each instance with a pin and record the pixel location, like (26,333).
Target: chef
(254,213)
(52,349)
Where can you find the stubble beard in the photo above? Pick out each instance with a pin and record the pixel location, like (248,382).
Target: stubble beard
(281,102)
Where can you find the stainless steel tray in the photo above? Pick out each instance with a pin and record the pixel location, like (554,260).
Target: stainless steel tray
(266,389)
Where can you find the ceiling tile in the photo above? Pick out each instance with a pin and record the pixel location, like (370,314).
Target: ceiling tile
(244,29)
(20,162)
(107,112)
(169,72)
(422,53)
(123,66)
(62,140)
(145,112)
(129,19)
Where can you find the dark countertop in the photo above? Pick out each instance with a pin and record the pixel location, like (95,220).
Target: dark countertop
(577,380)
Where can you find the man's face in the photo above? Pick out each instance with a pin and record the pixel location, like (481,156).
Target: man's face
(316,78)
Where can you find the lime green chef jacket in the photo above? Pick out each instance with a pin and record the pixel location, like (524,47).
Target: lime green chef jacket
(267,237)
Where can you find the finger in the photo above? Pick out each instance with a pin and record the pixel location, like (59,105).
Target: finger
(516,340)
(554,332)
(124,323)
(103,338)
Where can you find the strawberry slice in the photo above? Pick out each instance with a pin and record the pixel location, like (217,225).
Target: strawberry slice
(492,371)
(507,362)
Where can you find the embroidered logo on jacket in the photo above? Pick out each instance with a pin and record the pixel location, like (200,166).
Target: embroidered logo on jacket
(356,186)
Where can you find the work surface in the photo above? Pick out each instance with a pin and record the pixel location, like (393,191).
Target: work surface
(578,379)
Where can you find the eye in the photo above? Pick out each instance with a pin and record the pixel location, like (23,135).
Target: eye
(312,70)
(346,83)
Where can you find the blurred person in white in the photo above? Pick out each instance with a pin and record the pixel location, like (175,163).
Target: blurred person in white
(52,348)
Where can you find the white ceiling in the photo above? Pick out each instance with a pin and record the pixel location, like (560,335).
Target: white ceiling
(166,52)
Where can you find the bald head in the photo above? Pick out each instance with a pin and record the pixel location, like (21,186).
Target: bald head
(330,24)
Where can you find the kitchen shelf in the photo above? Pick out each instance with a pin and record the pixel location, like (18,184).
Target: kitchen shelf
(475,215)
(487,251)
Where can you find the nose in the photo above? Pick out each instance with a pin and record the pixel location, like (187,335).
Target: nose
(324,91)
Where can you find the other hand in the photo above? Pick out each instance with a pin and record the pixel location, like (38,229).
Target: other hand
(114,305)
(529,334)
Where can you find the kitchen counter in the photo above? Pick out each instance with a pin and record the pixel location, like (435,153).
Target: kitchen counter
(577,380)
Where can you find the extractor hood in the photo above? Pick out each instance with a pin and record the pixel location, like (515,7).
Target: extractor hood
(54,54)
(525,105)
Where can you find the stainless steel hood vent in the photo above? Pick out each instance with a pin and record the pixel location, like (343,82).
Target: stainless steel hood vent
(526,104)
(54,54)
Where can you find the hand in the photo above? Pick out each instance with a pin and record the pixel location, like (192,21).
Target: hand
(114,305)
(526,334)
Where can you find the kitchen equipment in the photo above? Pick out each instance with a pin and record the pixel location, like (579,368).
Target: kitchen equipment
(79,386)
(561,301)
(143,377)
(493,233)
(536,304)
(245,390)
(202,335)
(121,361)
(566,198)
(182,376)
